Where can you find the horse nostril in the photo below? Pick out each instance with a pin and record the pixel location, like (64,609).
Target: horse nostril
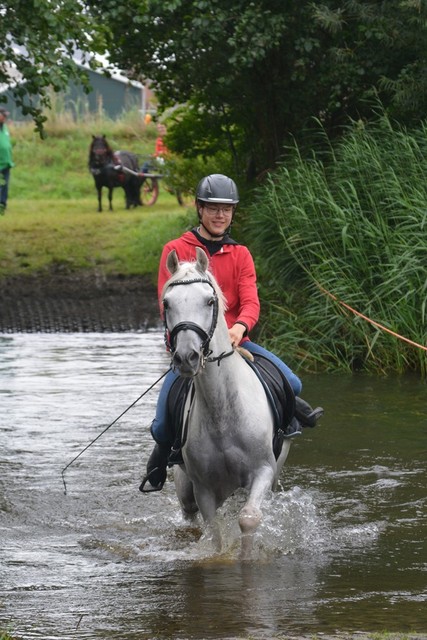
(177,360)
(188,362)
(193,358)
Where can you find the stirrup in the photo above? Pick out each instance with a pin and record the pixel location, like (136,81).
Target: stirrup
(150,489)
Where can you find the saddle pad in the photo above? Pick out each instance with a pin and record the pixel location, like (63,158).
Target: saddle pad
(176,403)
(278,390)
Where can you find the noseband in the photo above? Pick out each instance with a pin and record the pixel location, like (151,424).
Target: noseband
(170,336)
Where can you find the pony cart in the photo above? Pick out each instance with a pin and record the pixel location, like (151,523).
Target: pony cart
(149,182)
(111,169)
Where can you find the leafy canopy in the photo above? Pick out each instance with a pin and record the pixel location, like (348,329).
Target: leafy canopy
(38,39)
(250,74)
(255,73)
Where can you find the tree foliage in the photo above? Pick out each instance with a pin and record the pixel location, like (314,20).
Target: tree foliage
(250,74)
(254,73)
(38,39)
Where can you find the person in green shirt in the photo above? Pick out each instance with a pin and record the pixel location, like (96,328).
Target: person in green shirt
(6,162)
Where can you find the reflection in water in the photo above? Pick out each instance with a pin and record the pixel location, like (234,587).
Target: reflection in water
(342,546)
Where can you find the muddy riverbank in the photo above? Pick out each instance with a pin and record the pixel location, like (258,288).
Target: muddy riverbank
(77,302)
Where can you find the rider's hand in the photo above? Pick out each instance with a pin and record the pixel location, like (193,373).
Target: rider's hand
(236,334)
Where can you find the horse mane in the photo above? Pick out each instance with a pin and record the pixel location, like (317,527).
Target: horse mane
(189,271)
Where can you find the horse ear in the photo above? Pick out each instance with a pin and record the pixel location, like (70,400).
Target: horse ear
(202,260)
(172,262)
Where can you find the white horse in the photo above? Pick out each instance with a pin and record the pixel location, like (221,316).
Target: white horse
(228,435)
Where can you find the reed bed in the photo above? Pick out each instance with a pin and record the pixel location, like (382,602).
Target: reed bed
(350,220)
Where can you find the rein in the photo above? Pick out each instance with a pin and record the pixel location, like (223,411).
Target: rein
(170,336)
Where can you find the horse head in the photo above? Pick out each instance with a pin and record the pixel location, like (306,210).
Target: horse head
(100,152)
(192,301)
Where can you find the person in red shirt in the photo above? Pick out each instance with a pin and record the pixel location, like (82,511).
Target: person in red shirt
(233,267)
(160,149)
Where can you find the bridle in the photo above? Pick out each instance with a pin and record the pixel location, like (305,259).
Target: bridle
(170,336)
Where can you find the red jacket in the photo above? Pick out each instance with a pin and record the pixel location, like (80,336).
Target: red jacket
(234,270)
(160,148)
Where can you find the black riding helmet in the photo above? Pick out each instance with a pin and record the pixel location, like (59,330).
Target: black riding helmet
(217,188)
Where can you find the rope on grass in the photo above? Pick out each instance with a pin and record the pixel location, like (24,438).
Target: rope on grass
(376,324)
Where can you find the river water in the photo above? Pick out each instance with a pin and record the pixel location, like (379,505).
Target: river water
(342,546)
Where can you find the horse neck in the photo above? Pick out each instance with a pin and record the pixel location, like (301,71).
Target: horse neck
(220,341)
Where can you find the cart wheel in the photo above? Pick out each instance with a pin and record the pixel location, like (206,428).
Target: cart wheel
(150,191)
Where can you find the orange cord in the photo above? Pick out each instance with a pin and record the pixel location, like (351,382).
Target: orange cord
(376,324)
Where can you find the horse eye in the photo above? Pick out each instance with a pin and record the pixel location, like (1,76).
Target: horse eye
(165,304)
(211,301)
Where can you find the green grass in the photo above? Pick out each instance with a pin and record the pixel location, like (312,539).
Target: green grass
(70,235)
(57,167)
(52,222)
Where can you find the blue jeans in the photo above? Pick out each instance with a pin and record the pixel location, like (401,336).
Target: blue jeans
(4,185)
(160,430)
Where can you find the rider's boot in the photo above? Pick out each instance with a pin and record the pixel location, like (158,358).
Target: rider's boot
(305,414)
(156,468)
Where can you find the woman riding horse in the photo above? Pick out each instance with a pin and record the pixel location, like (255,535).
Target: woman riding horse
(233,268)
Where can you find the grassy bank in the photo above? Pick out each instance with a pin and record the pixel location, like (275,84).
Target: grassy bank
(52,220)
(69,235)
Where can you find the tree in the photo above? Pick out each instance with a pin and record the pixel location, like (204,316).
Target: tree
(254,73)
(38,40)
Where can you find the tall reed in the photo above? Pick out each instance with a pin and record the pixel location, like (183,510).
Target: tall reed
(351,220)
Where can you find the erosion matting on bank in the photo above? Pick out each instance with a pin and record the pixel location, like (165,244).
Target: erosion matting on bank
(86,302)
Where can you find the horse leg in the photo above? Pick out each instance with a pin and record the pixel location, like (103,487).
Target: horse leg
(128,198)
(138,185)
(281,461)
(99,189)
(136,192)
(185,493)
(208,506)
(251,515)
(110,197)
(190,508)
